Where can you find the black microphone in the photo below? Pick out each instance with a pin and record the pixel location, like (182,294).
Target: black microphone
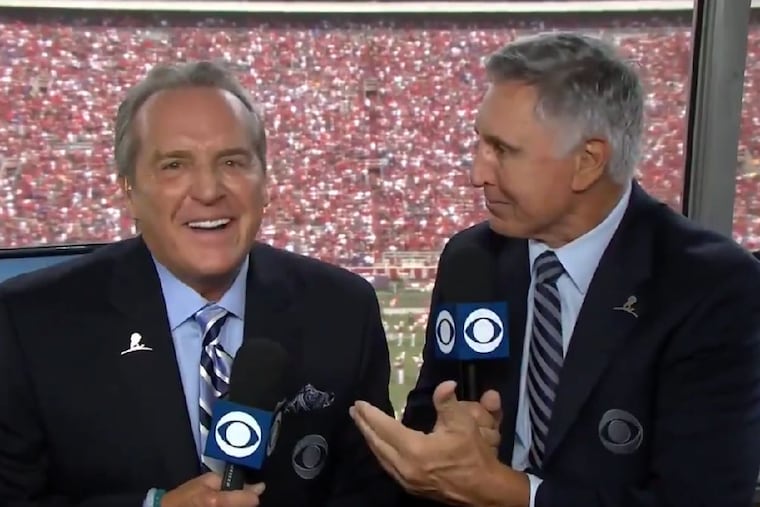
(245,424)
(472,327)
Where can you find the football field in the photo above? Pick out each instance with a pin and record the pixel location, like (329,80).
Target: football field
(405,316)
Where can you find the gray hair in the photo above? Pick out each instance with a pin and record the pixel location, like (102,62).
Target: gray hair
(167,77)
(582,83)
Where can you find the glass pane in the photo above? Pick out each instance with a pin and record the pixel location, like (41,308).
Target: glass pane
(370,130)
(747,201)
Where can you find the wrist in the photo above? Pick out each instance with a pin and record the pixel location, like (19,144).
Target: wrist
(504,487)
(158,497)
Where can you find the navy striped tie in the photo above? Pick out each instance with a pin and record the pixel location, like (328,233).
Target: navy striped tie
(215,373)
(546,354)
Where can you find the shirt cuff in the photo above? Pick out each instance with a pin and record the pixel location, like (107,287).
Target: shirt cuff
(535,482)
(151,497)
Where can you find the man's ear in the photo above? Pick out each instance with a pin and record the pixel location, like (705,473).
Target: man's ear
(591,162)
(126,188)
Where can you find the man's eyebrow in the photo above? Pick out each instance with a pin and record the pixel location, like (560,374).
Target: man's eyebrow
(184,154)
(497,141)
(160,155)
(231,152)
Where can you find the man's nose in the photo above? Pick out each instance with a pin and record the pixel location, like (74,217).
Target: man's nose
(207,186)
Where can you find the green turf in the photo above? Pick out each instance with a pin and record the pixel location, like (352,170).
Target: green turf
(412,348)
(405,299)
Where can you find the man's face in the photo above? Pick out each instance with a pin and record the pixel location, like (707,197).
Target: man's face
(199,189)
(526,179)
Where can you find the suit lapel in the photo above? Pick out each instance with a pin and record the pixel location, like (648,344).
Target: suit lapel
(512,286)
(602,327)
(270,311)
(152,377)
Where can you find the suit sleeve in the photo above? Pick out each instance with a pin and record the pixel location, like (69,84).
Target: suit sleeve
(359,478)
(707,429)
(420,412)
(24,462)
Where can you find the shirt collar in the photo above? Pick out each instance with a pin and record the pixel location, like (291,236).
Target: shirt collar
(182,302)
(581,256)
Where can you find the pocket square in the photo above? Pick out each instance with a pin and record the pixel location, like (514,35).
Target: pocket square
(309,398)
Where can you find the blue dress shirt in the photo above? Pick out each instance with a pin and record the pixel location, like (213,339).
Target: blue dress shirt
(580,259)
(182,303)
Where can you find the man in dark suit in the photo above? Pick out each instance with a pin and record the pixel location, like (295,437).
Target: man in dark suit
(633,376)
(103,385)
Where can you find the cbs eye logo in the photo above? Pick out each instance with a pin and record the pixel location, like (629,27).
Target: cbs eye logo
(238,434)
(483,330)
(444,331)
(309,456)
(620,432)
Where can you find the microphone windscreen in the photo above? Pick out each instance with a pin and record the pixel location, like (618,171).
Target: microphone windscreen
(258,374)
(470,275)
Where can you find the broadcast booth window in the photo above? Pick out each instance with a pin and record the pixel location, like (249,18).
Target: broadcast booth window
(747,198)
(359,177)
(17,261)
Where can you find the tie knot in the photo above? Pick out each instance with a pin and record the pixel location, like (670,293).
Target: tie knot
(210,316)
(548,267)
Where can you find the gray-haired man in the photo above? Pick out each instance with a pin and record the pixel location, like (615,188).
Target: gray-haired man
(633,379)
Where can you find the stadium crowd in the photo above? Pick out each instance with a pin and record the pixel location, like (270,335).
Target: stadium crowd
(370,123)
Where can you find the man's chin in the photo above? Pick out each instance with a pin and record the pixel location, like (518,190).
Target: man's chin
(211,278)
(216,265)
(498,225)
(506,227)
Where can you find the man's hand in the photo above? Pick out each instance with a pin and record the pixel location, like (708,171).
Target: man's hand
(455,462)
(487,415)
(204,491)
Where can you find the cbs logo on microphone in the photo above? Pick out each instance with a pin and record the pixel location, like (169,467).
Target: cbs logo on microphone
(241,435)
(467,331)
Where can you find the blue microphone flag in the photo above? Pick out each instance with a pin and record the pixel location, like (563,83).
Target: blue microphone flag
(471,331)
(241,435)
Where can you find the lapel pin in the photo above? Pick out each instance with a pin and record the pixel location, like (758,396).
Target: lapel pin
(629,306)
(135,344)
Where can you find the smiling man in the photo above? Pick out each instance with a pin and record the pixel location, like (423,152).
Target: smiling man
(110,365)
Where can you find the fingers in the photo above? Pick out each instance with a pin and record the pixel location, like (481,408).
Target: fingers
(204,491)
(445,393)
(374,423)
(239,498)
(445,401)
(211,481)
(482,417)
(491,402)
(388,457)
(384,435)
(257,488)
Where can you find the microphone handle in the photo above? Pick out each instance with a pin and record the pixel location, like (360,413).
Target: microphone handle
(470,382)
(233,478)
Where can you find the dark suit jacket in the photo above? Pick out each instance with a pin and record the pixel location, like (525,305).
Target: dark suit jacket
(687,367)
(82,425)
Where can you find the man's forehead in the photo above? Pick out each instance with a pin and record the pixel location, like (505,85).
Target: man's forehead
(161,105)
(507,101)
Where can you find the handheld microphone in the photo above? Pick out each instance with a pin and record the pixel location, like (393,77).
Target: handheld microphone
(245,426)
(472,327)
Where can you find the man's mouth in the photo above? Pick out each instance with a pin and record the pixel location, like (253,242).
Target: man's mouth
(209,225)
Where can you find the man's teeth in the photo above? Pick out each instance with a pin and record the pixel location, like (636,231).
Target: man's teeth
(209,224)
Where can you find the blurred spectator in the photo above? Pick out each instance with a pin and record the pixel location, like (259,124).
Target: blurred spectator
(371,123)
